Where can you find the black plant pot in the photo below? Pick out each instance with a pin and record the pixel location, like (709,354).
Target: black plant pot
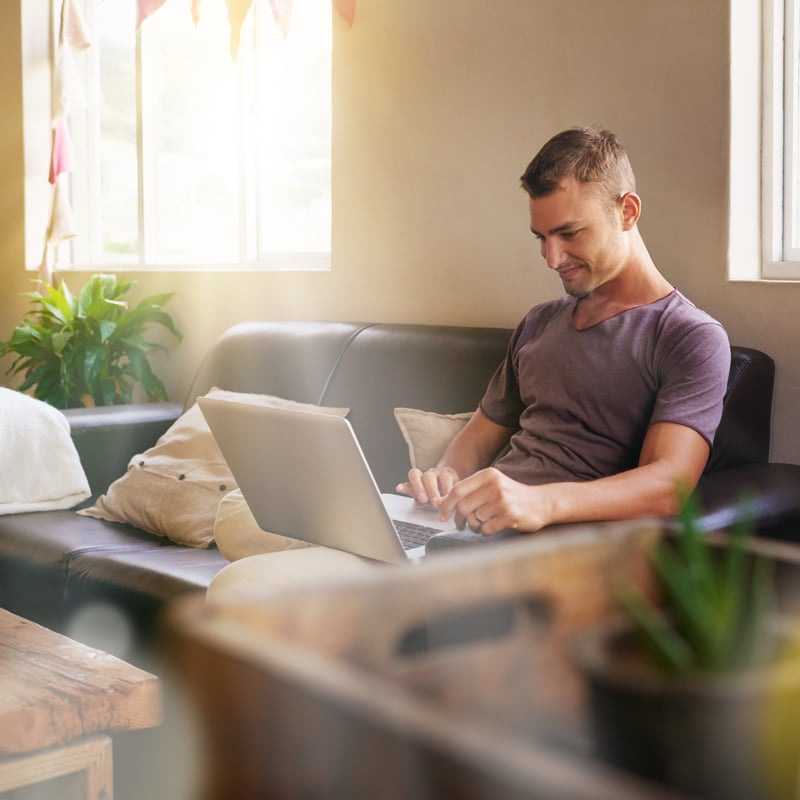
(732,736)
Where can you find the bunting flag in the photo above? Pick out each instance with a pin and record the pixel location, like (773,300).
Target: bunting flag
(67,93)
(145,9)
(62,223)
(73,31)
(346,9)
(60,228)
(237,11)
(61,152)
(73,35)
(282,11)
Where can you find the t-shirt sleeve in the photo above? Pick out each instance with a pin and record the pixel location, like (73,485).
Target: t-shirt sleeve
(694,369)
(502,402)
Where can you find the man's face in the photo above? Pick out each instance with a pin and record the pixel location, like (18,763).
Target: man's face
(580,236)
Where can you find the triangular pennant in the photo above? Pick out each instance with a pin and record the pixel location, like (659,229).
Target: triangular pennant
(62,222)
(282,11)
(237,12)
(74,32)
(61,154)
(145,8)
(346,9)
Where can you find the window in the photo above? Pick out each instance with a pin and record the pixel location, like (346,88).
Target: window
(764,220)
(188,158)
(781,138)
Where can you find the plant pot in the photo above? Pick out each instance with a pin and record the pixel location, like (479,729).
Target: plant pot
(725,736)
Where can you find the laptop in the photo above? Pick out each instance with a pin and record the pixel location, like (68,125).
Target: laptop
(304,475)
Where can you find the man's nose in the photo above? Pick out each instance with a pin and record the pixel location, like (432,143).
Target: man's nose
(553,253)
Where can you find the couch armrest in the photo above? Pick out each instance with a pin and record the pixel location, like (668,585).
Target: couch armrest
(773,490)
(107,437)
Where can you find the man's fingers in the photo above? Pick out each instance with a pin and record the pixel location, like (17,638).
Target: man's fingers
(429,487)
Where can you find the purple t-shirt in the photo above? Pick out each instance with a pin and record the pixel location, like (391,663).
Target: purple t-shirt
(582,400)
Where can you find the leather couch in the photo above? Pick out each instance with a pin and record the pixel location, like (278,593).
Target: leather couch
(55,563)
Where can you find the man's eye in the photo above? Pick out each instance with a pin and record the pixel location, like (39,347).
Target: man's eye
(569,235)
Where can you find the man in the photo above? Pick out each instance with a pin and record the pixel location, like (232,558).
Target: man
(609,397)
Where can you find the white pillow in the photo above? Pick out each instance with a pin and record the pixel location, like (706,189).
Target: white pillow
(174,488)
(427,433)
(238,535)
(40,466)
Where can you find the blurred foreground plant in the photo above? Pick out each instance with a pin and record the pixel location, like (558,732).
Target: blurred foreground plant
(716,602)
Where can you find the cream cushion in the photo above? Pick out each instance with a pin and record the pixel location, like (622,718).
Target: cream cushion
(427,433)
(238,535)
(40,466)
(260,577)
(174,488)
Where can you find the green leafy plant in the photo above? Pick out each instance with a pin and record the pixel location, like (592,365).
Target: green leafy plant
(715,600)
(90,348)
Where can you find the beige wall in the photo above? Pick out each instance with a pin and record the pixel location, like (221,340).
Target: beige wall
(438,107)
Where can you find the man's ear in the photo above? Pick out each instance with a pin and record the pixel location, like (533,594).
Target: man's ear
(630,205)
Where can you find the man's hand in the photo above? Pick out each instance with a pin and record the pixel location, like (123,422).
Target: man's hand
(489,501)
(430,487)
(473,447)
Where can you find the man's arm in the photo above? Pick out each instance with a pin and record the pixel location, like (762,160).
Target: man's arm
(472,449)
(672,456)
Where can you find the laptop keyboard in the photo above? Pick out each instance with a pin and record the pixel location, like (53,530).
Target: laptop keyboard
(413,535)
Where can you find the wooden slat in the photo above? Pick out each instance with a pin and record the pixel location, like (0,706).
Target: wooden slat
(91,755)
(53,689)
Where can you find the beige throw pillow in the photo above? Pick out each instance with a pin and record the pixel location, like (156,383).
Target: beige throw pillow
(427,433)
(174,488)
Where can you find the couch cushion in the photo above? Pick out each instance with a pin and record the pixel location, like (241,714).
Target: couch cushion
(161,573)
(35,553)
(50,538)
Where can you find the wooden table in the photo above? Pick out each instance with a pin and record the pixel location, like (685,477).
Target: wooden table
(58,699)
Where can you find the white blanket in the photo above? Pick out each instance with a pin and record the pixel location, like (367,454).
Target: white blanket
(39,466)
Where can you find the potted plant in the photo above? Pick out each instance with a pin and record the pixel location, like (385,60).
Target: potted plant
(90,348)
(699,688)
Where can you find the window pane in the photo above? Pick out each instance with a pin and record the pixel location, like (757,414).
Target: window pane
(117,225)
(293,107)
(191,145)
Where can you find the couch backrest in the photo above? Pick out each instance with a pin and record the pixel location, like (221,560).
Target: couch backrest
(374,368)
(430,367)
(288,359)
(743,436)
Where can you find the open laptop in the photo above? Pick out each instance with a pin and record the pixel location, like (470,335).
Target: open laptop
(304,475)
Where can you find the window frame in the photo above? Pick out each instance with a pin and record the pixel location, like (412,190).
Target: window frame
(780,146)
